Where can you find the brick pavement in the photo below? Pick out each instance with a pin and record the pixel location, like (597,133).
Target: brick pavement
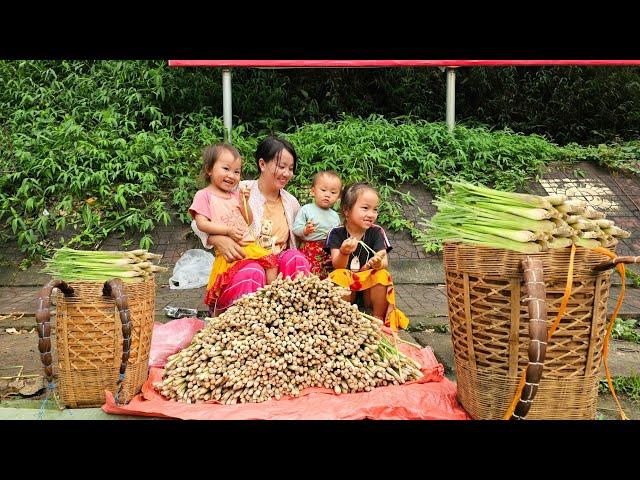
(421,302)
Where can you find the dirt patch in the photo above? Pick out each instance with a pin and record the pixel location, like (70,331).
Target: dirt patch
(20,366)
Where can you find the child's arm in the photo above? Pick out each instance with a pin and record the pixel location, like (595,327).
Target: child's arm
(212,228)
(299,223)
(207,226)
(246,214)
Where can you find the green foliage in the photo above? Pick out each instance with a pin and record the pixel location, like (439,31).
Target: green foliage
(626,330)
(89,148)
(86,148)
(624,157)
(629,386)
(634,277)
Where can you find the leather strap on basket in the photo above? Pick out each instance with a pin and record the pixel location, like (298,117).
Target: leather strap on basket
(43,317)
(537,308)
(115,289)
(563,306)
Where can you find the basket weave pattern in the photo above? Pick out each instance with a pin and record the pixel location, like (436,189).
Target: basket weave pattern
(89,343)
(489,331)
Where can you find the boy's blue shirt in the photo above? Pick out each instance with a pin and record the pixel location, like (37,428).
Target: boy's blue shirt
(323,219)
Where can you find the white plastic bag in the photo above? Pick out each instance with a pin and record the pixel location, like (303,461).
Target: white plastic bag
(191,270)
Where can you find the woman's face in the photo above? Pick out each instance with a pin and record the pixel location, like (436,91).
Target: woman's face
(279,170)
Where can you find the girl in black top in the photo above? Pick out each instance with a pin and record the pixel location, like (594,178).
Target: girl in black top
(359,207)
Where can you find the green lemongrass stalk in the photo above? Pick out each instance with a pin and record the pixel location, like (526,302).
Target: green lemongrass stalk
(367,247)
(531,213)
(573,218)
(603,222)
(157,268)
(583,225)
(149,256)
(560,242)
(570,209)
(592,213)
(586,243)
(483,239)
(517,199)
(565,231)
(515,235)
(90,253)
(577,202)
(616,232)
(474,212)
(126,262)
(591,234)
(556,199)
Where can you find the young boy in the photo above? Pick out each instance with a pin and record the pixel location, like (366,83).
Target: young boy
(316,219)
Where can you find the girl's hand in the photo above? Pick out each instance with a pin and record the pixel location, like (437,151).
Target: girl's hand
(375,262)
(236,233)
(246,193)
(309,228)
(349,246)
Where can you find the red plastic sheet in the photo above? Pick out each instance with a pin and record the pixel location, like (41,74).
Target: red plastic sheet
(432,397)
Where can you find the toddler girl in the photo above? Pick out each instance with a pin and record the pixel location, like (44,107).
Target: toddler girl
(221,209)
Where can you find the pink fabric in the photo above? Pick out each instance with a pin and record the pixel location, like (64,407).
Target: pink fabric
(171,337)
(246,281)
(292,261)
(220,210)
(252,276)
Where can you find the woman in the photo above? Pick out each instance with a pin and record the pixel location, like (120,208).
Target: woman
(276,159)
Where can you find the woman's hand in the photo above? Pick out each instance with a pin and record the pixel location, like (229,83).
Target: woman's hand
(348,246)
(228,248)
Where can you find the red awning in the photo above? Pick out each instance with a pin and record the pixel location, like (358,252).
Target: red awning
(392,63)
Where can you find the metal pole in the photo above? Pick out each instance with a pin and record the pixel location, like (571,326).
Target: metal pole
(226,103)
(451,98)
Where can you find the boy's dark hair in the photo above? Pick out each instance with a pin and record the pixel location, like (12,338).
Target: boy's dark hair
(328,173)
(350,196)
(211,154)
(271,147)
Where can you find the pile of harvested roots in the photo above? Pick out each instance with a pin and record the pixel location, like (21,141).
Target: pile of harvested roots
(289,335)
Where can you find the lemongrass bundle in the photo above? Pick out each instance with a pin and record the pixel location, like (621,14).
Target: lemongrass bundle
(133,266)
(526,223)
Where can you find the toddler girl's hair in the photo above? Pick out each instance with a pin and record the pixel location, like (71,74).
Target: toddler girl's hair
(327,173)
(350,196)
(211,154)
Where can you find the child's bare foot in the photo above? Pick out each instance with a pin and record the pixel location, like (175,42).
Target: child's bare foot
(271,275)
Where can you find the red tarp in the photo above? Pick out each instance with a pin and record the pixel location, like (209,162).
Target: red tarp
(432,397)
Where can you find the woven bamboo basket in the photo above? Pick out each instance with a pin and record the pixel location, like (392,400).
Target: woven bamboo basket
(490,331)
(91,338)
